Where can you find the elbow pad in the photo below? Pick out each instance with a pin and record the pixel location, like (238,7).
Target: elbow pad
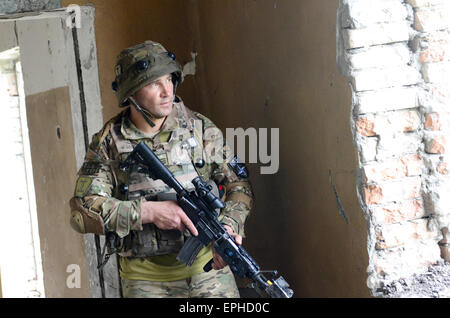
(83,220)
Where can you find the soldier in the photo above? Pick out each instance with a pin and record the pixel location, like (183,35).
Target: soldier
(146,225)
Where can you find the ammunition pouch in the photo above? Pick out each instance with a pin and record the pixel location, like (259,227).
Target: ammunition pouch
(152,241)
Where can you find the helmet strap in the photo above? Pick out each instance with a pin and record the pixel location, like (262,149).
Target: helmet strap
(146,114)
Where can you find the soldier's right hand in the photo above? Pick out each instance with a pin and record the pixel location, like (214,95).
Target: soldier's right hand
(166,215)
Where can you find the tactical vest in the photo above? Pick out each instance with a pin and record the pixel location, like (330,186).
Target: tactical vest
(178,150)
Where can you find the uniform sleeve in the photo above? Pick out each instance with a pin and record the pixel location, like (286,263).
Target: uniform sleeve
(238,198)
(238,191)
(95,187)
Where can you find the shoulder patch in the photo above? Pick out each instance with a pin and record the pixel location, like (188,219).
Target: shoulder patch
(239,168)
(82,187)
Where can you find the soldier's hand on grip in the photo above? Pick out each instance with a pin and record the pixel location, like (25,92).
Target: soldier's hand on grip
(166,215)
(219,263)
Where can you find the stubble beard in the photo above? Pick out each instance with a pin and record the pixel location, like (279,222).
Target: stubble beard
(163,111)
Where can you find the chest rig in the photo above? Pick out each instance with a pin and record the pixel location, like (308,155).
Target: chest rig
(180,148)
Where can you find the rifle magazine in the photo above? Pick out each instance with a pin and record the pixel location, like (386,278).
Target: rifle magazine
(189,251)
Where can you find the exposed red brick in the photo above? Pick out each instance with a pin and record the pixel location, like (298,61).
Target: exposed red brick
(398,212)
(432,121)
(390,191)
(435,54)
(436,145)
(393,169)
(365,126)
(442,168)
(373,194)
(400,120)
(393,235)
(412,164)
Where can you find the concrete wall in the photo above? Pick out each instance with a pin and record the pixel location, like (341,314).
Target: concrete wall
(267,64)
(49,116)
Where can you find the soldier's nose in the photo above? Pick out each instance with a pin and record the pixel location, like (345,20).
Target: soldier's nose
(166,91)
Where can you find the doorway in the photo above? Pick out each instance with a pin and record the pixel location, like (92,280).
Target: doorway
(20,262)
(56,108)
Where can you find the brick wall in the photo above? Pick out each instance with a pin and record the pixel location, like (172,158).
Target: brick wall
(396,55)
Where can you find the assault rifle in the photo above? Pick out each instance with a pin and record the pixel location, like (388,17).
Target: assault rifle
(200,206)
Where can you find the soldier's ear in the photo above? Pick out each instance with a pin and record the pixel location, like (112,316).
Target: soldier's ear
(133,96)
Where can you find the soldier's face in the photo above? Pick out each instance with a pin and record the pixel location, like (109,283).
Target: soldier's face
(157,96)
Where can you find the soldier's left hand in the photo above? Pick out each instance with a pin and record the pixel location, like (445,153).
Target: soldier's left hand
(219,263)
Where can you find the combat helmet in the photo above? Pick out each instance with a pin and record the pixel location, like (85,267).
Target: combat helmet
(141,64)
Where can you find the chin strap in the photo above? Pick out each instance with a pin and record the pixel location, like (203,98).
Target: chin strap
(146,114)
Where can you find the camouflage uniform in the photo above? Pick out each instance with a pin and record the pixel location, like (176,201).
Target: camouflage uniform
(107,200)
(214,284)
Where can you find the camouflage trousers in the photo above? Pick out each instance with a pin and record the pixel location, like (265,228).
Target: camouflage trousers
(213,284)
